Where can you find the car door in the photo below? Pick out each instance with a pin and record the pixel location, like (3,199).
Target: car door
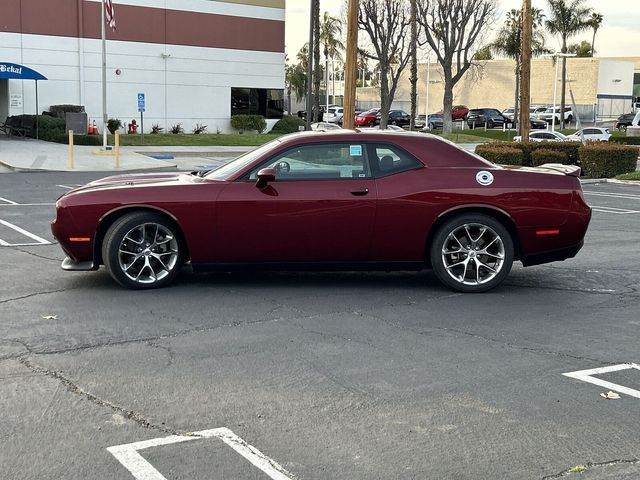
(401,221)
(320,208)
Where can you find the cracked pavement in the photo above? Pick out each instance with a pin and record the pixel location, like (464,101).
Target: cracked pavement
(347,375)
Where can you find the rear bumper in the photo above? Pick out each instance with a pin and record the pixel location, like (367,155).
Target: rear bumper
(552,256)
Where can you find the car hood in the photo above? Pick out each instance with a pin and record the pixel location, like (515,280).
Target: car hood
(135,180)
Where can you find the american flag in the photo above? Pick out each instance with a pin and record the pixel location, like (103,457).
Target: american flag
(111,19)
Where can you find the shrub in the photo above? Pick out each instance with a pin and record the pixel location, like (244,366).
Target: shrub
(541,156)
(626,140)
(113,125)
(570,149)
(603,160)
(177,129)
(288,124)
(92,140)
(198,129)
(244,123)
(156,128)
(60,110)
(501,154)
(50,127)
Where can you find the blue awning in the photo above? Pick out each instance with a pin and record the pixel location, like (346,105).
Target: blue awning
(19,72)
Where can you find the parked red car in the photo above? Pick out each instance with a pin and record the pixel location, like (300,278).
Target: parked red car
(459,112)
(366,119)
(329,201)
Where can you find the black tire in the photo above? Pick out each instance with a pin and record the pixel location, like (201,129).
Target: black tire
(432,126)
(490,124)
(447,272)
(570,119)
(130,233)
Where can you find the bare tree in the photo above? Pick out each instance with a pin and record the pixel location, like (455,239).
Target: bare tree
(454,30)
(386,22)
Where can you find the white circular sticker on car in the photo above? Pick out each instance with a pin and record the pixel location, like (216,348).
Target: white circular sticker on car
(484,178)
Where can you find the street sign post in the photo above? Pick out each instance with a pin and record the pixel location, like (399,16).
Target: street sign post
(142,104)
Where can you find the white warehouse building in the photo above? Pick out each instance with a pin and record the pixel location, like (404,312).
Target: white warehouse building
(196,61)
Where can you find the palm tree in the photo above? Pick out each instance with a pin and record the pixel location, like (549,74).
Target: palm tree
(330,33)
(317,74)
(567,20)
(508,43)
(595,22)
(295,82)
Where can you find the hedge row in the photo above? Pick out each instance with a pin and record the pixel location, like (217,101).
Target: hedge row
(244,123)
(598,160)
(47,127)
(92,140)
(626,140)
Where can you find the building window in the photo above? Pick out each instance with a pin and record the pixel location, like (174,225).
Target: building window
(257,101)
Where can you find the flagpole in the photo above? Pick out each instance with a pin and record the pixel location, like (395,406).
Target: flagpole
(104,76)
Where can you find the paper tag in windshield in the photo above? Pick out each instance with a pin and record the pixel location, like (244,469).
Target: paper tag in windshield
(355,150)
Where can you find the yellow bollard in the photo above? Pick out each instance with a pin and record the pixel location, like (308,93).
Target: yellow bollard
(71,153)
(117,149)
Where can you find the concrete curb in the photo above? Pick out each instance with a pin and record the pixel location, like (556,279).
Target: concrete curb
(590,181)
(77,170)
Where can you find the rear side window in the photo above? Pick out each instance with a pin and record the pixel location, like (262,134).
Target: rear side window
(388,160)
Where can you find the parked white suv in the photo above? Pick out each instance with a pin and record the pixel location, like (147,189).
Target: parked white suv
(550,112)
(591,134)
(334,115)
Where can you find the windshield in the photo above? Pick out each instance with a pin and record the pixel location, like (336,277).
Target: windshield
(235,166)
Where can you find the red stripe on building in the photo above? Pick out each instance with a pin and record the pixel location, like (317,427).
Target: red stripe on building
(143,24)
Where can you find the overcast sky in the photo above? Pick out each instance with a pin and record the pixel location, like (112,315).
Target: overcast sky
(619,35)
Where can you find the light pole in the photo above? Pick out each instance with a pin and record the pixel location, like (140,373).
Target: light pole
(428,84)
(556,55)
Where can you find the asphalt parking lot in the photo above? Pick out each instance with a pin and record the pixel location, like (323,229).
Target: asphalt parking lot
(317,376)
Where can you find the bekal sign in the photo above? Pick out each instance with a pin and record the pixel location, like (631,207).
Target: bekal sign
(4,68)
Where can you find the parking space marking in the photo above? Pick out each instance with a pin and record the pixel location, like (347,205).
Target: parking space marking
(33,236)
(587,376)
(625,196)
(8,202)
(618,211)
(141,469)
(69,187)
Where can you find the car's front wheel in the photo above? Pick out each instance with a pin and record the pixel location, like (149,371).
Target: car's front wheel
(472,253)
(142,250)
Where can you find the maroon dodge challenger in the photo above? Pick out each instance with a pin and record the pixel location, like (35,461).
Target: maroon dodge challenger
(329,201)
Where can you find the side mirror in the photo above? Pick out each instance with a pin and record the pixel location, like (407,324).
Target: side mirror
(265,176)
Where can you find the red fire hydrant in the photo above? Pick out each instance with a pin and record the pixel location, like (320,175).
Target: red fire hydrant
(133,127)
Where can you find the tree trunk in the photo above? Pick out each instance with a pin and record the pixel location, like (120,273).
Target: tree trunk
(516,108)
(563,92)
(593,44)
(385,103)
(316,59)
(414,65)
(289,100)
(447,102)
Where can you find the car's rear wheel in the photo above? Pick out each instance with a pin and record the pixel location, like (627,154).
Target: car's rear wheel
(490,124)
(472,253)
(143,250)
(432,126)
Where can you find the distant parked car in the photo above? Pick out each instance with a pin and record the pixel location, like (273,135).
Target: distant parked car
(334,115)
(325,126)
(545,136)
(537,110)
(492,117)
(420,121)
(591,134)
(509,112)
(434,121)
(550,112)
(459,112)
(390,128)
(625,120)
(396,117)
(366,119)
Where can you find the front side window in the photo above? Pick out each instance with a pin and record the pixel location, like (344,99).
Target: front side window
(319,162)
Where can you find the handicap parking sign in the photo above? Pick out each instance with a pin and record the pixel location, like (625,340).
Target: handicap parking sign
(141,102)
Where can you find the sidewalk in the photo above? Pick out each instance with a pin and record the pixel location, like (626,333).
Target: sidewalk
(35,155)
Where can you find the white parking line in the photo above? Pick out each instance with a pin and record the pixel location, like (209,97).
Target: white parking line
(141,469)
(27,205)
(619,211)
(39,240)
(626,196)
(69,187)
(8,202)
(586,376)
